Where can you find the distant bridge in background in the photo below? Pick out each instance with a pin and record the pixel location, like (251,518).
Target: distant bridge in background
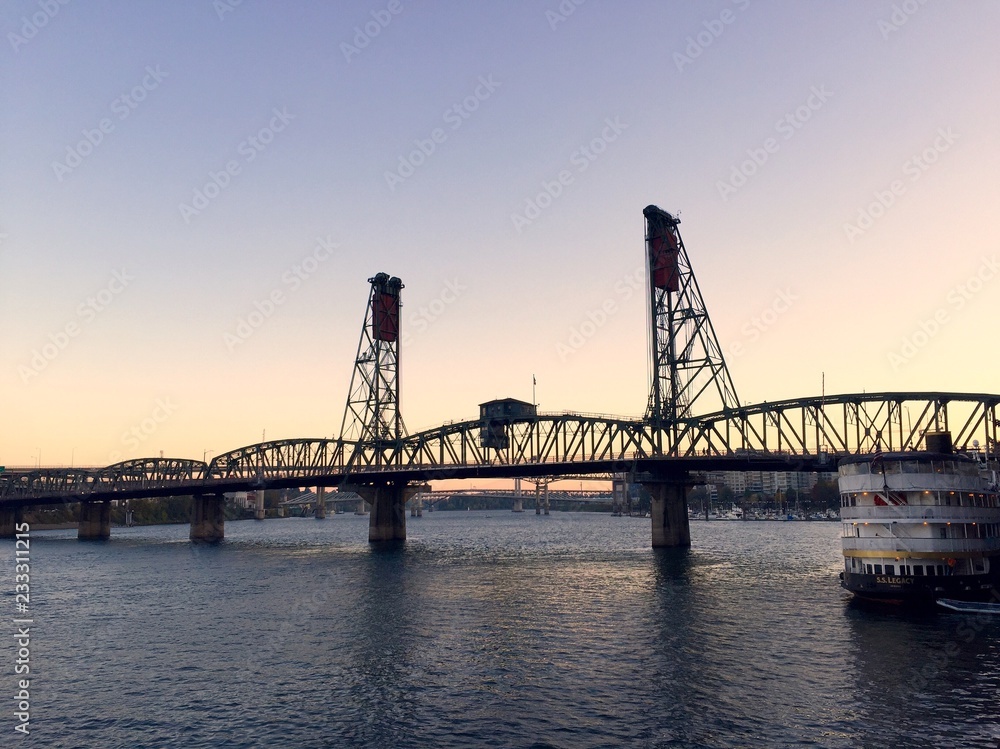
(694,421)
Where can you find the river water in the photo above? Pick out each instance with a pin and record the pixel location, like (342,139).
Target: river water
(487,629)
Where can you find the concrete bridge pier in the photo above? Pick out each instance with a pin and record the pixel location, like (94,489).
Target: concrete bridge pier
(417,506)
(546,499)
(538,506)
(258,507)
(361,509)
(319,510)
(669,511)
(9,518)
(208,517)
(95,521)
(387,523)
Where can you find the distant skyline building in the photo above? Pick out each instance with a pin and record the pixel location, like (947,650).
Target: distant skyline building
(764,482)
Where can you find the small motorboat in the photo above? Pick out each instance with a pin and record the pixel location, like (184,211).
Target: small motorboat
(969,607)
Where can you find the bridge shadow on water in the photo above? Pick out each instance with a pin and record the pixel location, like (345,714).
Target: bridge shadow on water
(673,564)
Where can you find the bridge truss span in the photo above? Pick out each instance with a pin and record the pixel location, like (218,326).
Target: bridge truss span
(282,459)
(561,438)
(800,434)
(139,475)
(846,425)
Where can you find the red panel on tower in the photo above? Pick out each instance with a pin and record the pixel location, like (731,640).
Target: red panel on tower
(385,316)
(663,251)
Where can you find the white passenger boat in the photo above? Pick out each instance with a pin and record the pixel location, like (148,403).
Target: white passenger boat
(919,526)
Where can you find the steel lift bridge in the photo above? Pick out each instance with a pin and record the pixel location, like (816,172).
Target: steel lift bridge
(694,421)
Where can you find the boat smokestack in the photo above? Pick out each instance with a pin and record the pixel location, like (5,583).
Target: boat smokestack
(938,442)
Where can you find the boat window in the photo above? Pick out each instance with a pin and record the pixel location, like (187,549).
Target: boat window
(930,570)
(868,569)
(944,532)
(878,569)
(918,570)
(890,569)
(979,566)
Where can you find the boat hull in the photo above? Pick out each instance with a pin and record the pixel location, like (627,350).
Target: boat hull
(922,590)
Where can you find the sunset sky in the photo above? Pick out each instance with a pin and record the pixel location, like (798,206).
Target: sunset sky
(193,196)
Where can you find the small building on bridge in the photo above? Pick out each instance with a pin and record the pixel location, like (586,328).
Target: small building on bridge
(497,414)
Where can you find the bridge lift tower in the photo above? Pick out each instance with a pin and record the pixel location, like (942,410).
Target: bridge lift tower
(687,368)
(372,413)
(687,365)
(372,417)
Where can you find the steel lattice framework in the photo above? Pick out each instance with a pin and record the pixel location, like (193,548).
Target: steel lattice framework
(372,415)
(804,434)
(801,434)
(688,367)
